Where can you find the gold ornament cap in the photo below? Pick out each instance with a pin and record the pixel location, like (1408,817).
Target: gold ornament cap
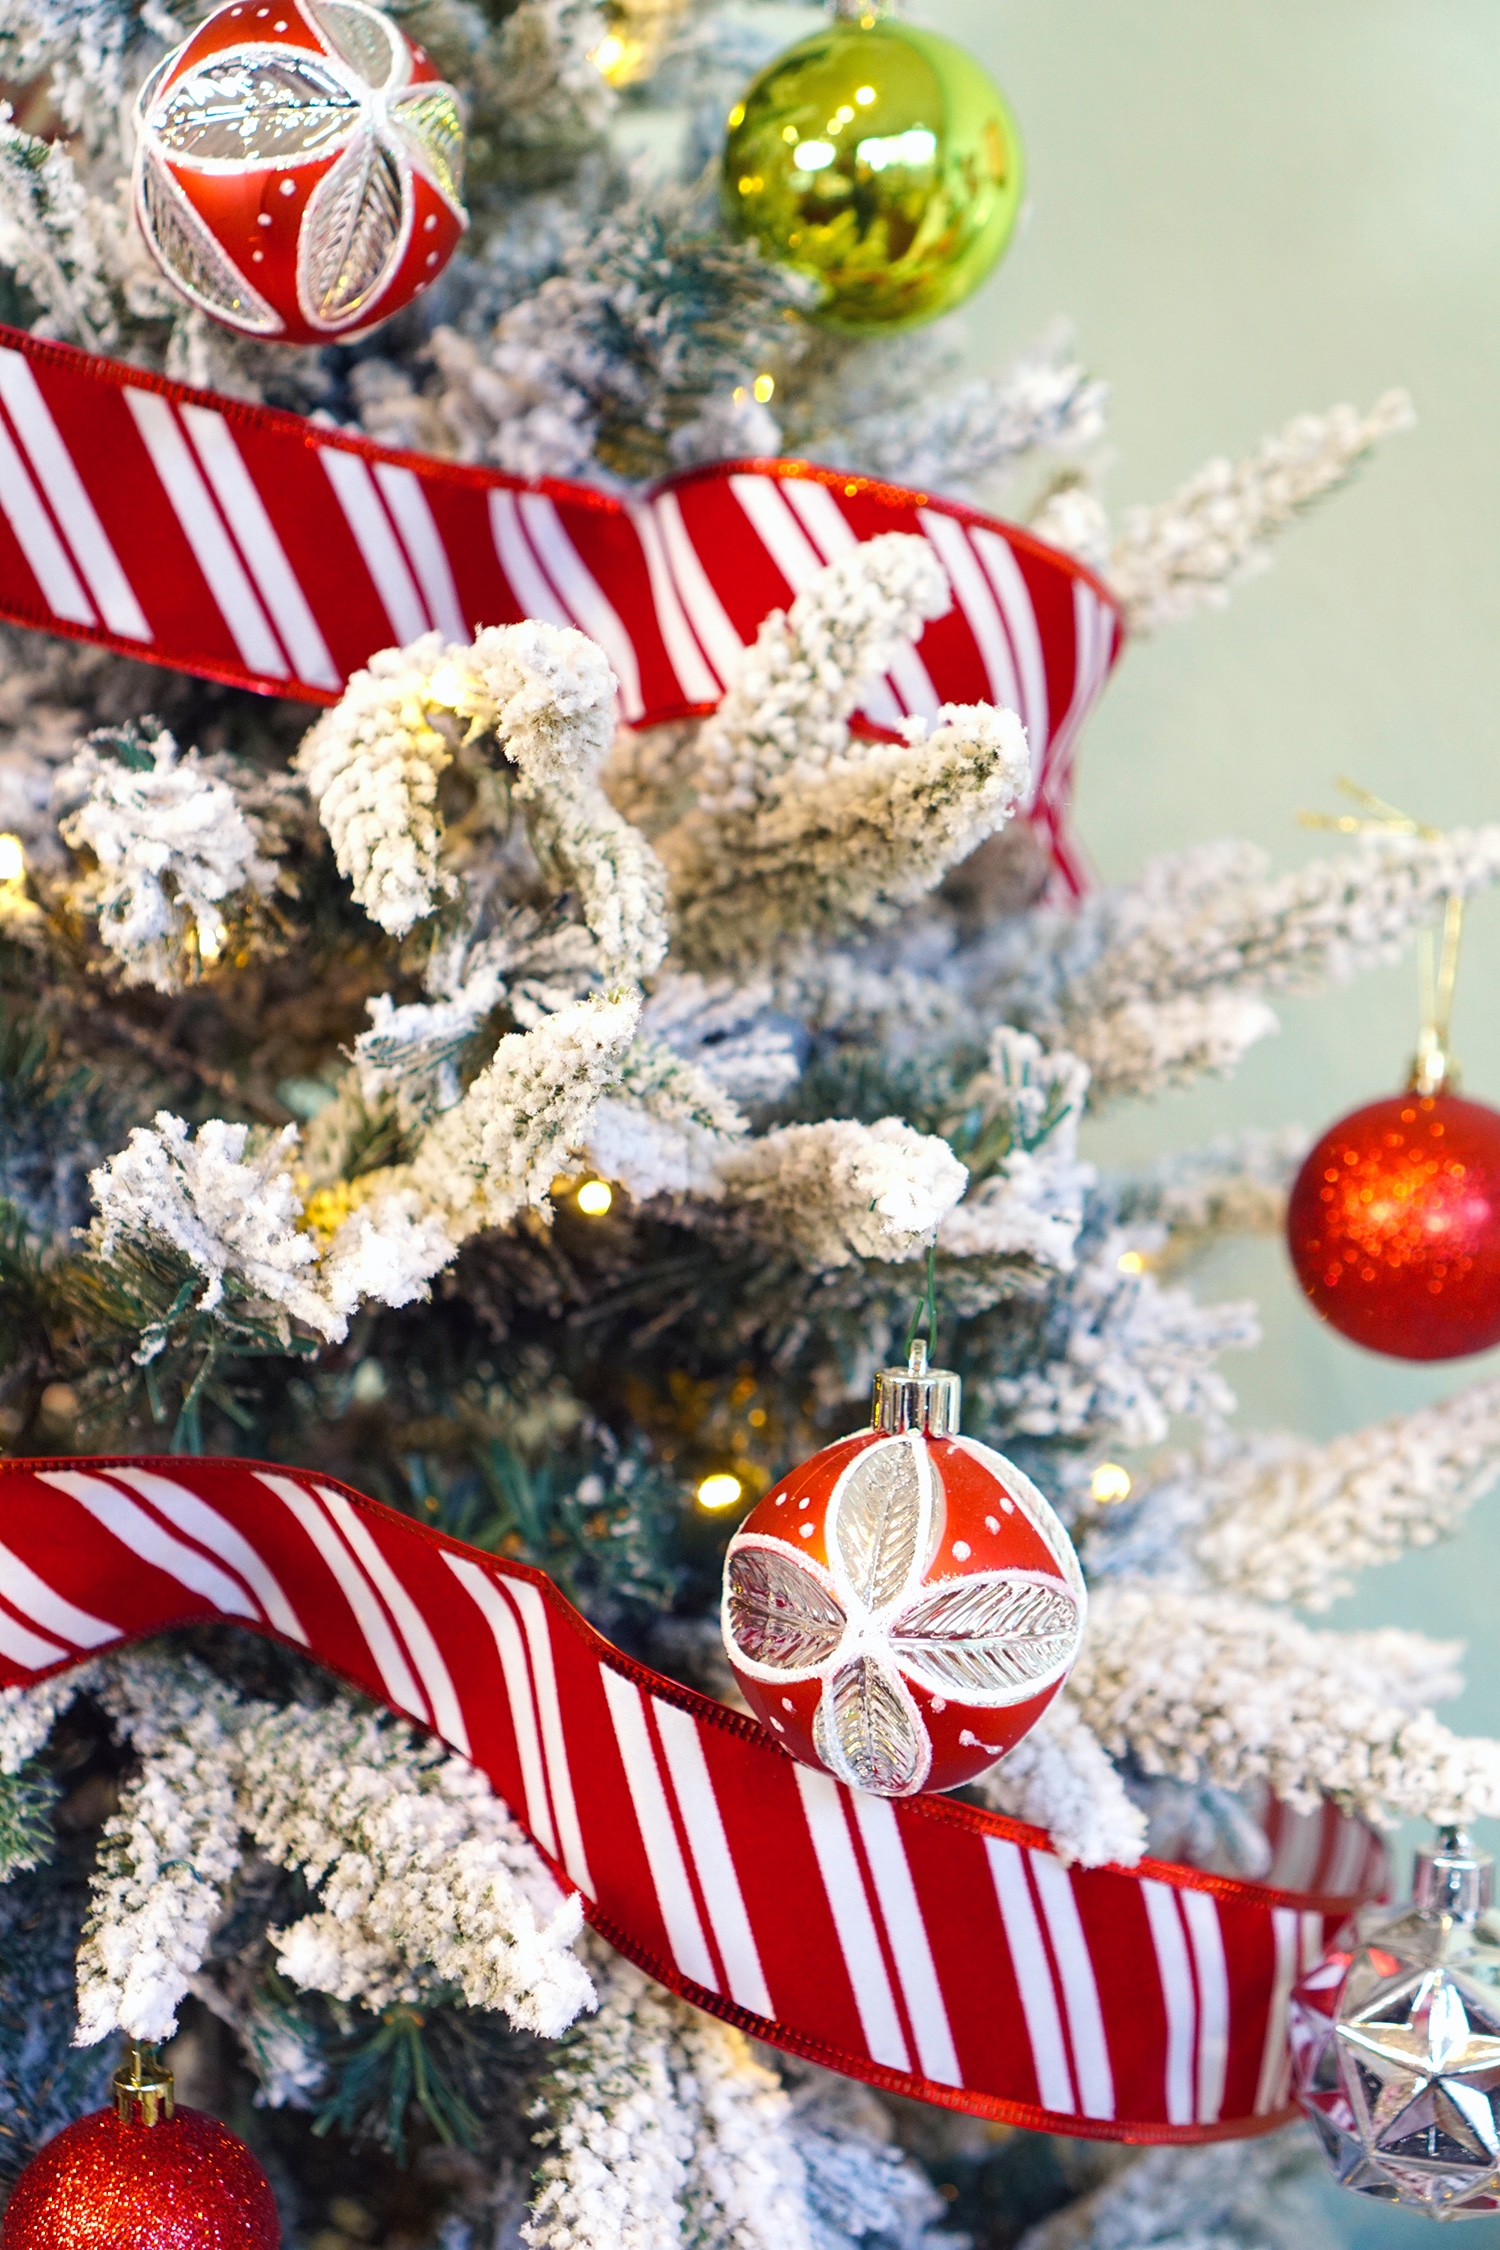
(143,2086)
(1453,1877)
(917,1397)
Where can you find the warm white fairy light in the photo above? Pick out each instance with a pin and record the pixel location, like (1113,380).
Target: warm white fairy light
(594,1198)
(721,1490)
(12,859)
(1109,1481)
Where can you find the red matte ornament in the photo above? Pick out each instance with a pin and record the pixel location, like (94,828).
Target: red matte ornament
(299,169)
(902,1608)
(1394,1226)
(111,2181)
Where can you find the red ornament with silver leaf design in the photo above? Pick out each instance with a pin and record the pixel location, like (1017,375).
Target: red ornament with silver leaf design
(299,169)
(901,1609)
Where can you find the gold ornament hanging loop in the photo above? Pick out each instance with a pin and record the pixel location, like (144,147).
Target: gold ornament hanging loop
(1434,1069)
(142,2086)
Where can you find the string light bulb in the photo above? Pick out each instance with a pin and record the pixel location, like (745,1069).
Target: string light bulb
(1130,1261)
(451,688)
(721,1490)
(1109,1482)
(594,1198)
(12,859)
(211,942)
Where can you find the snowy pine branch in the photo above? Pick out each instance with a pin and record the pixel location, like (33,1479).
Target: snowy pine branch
(1059,1778)
(1186,552)
(801,831)
(501,1147)
(421,1878)
(1276,1519)
(1110,1355)
(1236,1185)
(172,847)
(1207,1687)
(1163,977)
(660,2128)
(836,1191)
(49,238)
(892,410)
(544,695)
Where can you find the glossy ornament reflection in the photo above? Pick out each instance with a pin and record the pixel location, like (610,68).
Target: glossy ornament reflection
(1396,2043)
(881,161)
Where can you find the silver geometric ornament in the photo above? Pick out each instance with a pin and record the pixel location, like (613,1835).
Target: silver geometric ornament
(1396,2042)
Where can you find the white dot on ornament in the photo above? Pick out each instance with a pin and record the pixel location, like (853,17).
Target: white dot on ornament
(938,1703)
(805,1501)
(280,25)
(263,219)
(1007,1503)
(781,1499)
(961,1550)
(787,1704)
(288,187)
(805,1530)
(257,257)
(430,222)
(432,257)
(992,1523)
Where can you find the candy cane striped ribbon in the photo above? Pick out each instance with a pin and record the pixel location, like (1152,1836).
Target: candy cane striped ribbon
(924,1946)
(256,547)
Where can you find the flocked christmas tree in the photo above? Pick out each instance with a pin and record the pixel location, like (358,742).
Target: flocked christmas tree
(543,1126)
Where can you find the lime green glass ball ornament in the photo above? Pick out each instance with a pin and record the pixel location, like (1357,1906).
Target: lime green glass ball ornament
(882,161)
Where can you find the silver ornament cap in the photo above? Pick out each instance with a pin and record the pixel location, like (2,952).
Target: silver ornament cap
(917,1397)
(1395,2041)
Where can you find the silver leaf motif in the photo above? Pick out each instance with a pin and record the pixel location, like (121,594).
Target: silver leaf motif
(428,119)
(194,258)
(359,36)
(777,1612)
(255,110)
(982,1636)
(352,233)
(866,1731)
(878,1522)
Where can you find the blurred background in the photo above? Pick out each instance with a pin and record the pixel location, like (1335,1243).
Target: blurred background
(1248,212)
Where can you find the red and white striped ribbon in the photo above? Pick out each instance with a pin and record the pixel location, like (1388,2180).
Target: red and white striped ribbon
(256,547)
(922,1945)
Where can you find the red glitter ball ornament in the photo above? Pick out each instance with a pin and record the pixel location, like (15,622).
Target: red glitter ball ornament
(114,2182)
(1394,1226)
(299,169)
(903,1607)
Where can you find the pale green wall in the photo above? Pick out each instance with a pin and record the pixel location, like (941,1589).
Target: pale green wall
(1248,210)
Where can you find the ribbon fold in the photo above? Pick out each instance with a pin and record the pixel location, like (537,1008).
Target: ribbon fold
(922,1945)
(256,547)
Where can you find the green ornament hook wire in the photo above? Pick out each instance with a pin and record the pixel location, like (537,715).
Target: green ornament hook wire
(923,1327)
